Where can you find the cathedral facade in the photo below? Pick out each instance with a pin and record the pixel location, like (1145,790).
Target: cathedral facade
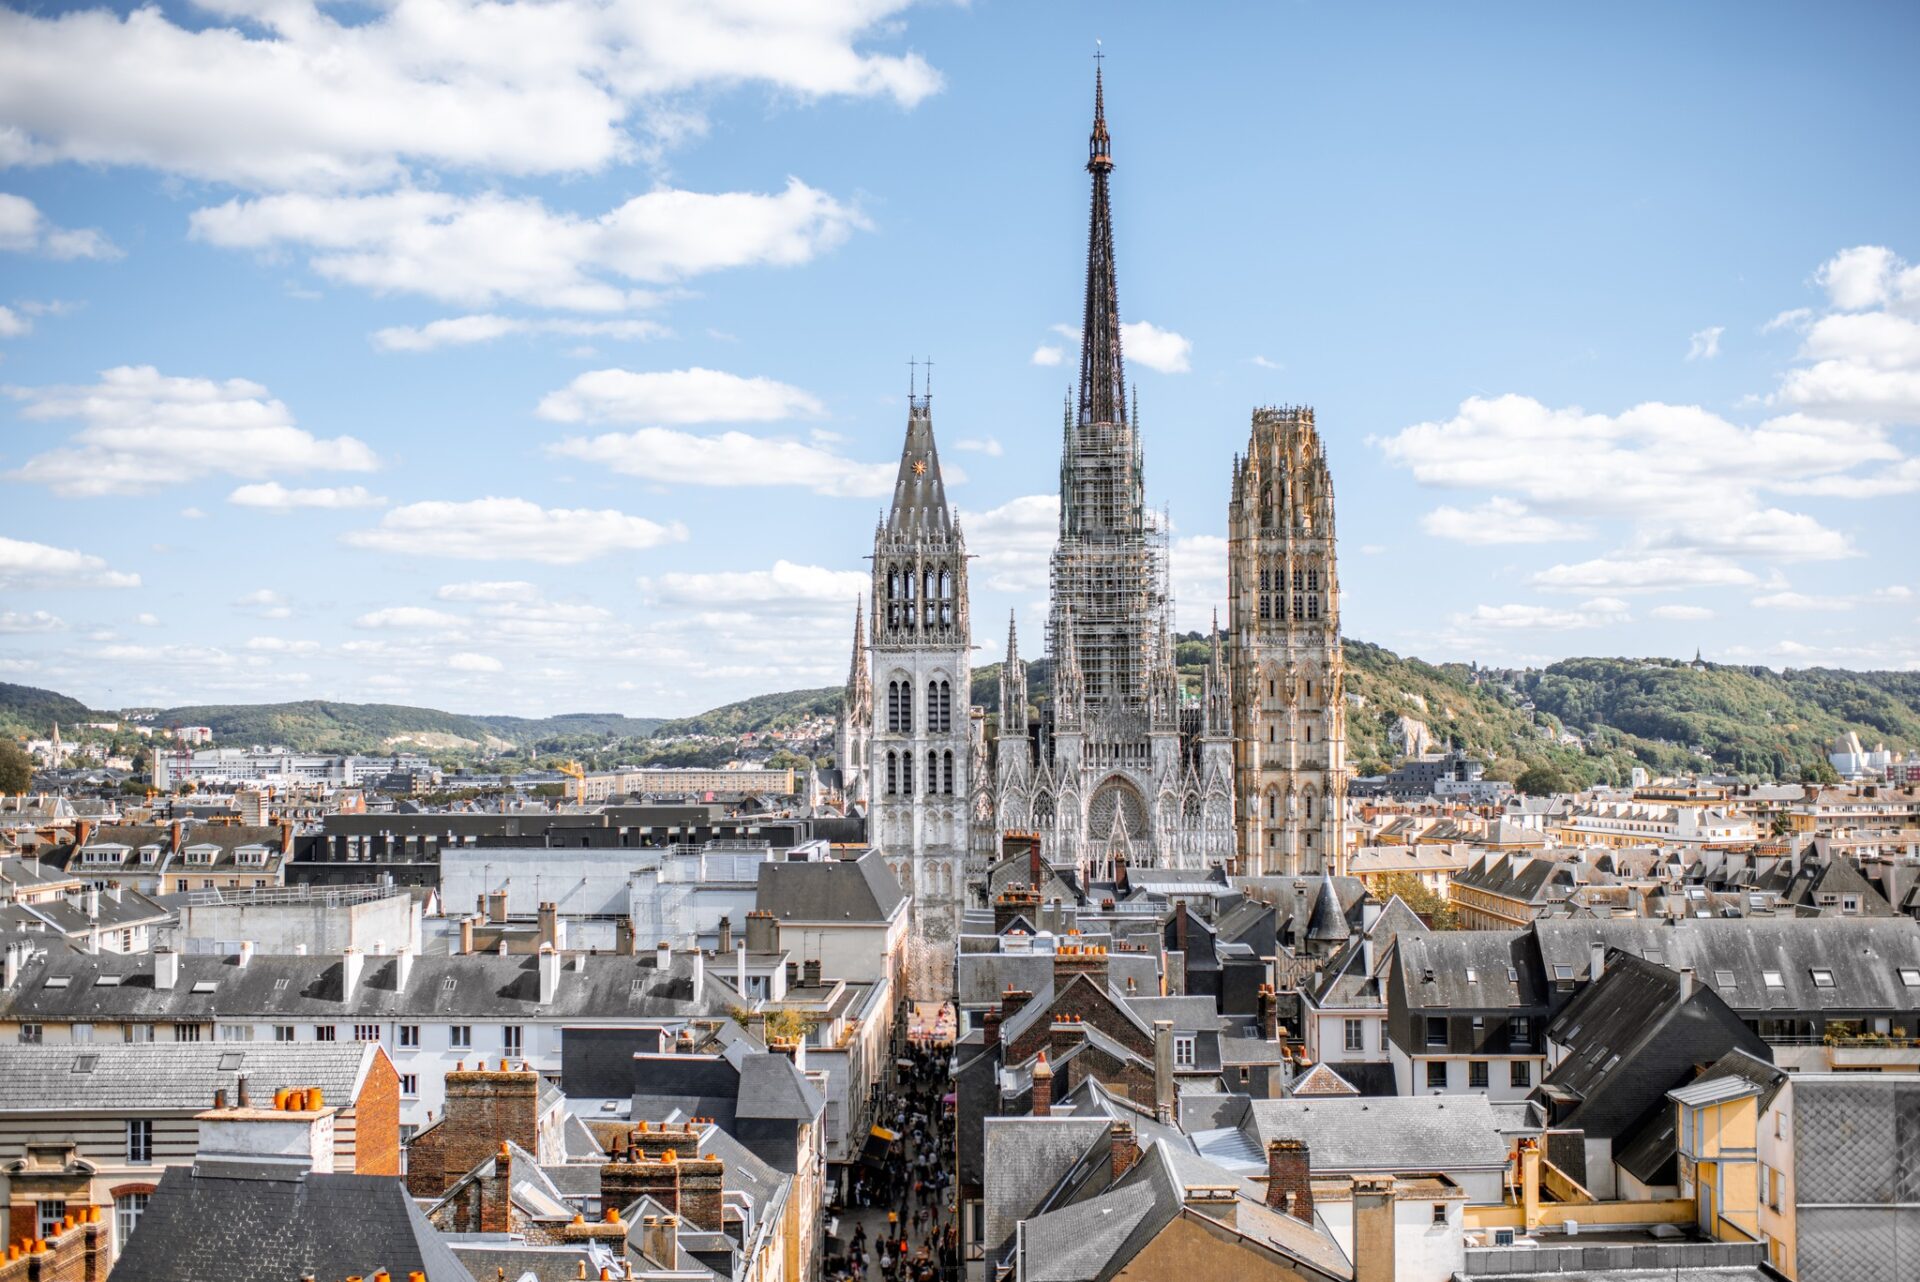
(1287,678)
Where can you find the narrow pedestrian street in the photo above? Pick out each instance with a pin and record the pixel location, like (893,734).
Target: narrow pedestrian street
(898,1223)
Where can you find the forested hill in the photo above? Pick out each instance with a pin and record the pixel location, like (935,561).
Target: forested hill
(1594,718)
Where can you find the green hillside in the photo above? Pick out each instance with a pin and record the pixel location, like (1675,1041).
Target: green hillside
(761,712)
(29,710)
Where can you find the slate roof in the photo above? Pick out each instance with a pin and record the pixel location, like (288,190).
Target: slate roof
(1432,970)
(112,1076)
(1410,1133)
(224,1229)
(478,986)
(862,890)
(1028,1158)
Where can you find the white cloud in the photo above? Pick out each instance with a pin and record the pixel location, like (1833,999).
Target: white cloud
(1499,520)
(408,618)
(676,396)
(12,324)
(1542,618)
(296,94)
(1198,568)
(1011,543)
(147,620)
(1156,348)
(16,622)
(1868,276)
(460,331)
(1704,344)
(1643,574)
(731,459)
(1800,601)
(467,661)
(1681,613)
(36,565)
(1048,354)
(281,645)
(264,602)
(988,445)
(480,250)
(786,589)
(24,229)
(1792,318)
(488,590)
(1263,363)
(143,431)
(497,529)
(272,494)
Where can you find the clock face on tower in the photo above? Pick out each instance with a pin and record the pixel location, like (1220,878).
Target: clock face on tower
(919,467)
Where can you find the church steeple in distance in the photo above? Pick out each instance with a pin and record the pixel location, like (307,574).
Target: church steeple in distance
(1103,395)
(919,495)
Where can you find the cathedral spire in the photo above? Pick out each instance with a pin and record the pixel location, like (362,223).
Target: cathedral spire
(859,677)
(1013,683)
(919,495)
(1103,396)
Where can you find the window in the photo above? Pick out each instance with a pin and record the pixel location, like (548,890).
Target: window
(1910,976)
(1437,1074)
(1725,979)
(409,1085)
(186,1032)
(233,1032)
(127,1209)
(139,1032)
(1477,1074)
(1183,1052)
(1473,976)
(511,1034)
(1436,1030)
(49,1215)
(1773,979)
(324,1032)
(366,1032)
(1439,1214)
(409,1036)
(283,1032)
(1520,1031)
(30,1034)
(139,1141)
(460,1036)
(1519,1073)
(1356,1035)
(1562,973)
(1822,977)
(82,1032)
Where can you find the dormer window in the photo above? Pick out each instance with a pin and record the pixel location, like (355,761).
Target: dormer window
(202,854)
(149,854)
(251,856)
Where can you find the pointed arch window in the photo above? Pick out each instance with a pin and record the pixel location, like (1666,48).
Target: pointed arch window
(1299,606)
(893,596)
(1313,605)
(946,773)
(906,773)
(1309,805)
(893,773)
(1313,580)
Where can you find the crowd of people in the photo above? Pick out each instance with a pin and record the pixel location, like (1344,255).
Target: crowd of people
(905,1193)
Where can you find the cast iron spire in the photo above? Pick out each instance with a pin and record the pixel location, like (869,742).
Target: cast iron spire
(1103,396)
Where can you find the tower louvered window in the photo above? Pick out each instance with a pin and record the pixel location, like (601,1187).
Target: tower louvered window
(906,773)
(893,773)
(946,774)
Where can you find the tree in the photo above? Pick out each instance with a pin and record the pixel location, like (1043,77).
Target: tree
(1820,772)
(1431,907)
(16,769)
(1544,780)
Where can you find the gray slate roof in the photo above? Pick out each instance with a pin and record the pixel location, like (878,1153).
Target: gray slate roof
(1424,1133)
(114,1076)
(862,890)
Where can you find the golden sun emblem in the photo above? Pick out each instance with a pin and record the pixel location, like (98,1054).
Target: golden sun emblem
(919,467)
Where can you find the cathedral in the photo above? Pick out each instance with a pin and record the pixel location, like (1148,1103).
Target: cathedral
(1125,765)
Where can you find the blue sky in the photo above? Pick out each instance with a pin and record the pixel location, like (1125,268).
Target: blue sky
(534,359)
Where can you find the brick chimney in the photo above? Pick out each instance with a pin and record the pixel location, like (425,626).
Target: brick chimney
(623,1183)
(702,1180)
(1042,1086)
(1125,1151)
(1079,959)
(484,1109)
(990,1028)
(1012,903)
(1269,1013)
(726,935)
(1012,1000)
(1180,925)
(1066,1032)
(1289,1178)
(763,931)
(810,972)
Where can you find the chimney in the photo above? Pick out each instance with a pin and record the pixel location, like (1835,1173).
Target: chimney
(810,972)
(350,965)
(550,923)
(740,969)
(402,970)
(245,957)
(623,1183)
(1180,925)
(466,936)
(623,944)
(663,956)
(1373,1243)
(702,1181)
(1012,1000)
(1064,1033)
(176,838)
(294,1136)
(989,1027)
(726,935)
(549,974)
(699,965)
(763,932)
(1290,1178)
(1596,960)
(166,969)
(1123,1149)
(1163,1071)
(794,1048)
(1042,1086)
(1269,1005)
(660,1240)
(93,903)
(485,1108)
(497,907)
(1686,983)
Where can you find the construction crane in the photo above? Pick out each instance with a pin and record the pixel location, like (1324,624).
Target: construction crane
(577,790)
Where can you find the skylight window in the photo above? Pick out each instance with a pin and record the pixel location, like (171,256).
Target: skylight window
(106,981)
(58,981)
(85,1063)
(1773,978)
(232,1061)
(1910,976)
(1562,972)
(1473,976)
(1822,977)
(1724,979)
(206,985)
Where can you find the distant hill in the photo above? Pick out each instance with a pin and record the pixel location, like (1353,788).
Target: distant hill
(1595,718)
(30,710)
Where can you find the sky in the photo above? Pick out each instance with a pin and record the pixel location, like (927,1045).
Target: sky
(532,358)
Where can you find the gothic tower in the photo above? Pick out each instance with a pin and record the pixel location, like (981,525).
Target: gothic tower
(853,737)
(1286,676)
(921,740)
